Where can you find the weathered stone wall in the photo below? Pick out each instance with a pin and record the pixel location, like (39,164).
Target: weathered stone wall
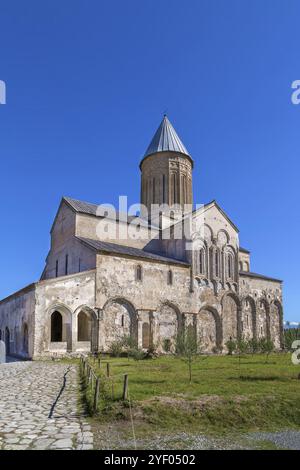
(244,261)
(166,180)
(136,235)
(17,322)
(68,295)
(263,297)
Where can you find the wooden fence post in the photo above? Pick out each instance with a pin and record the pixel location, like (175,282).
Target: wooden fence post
(125,387)
(107,369)
(96,395)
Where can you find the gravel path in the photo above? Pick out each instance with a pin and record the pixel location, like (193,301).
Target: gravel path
(39,409)
(283,439)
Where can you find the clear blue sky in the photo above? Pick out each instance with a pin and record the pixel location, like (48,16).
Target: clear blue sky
(87,85)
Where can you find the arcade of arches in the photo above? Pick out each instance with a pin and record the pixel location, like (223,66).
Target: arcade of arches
(213,328)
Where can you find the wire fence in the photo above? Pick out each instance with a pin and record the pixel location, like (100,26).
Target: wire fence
(101,384)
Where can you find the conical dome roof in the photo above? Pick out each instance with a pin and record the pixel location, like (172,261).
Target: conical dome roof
(166,139)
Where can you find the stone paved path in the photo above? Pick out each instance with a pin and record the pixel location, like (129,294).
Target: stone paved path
(39,407)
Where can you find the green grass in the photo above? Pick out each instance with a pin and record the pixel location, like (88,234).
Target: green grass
(222,396)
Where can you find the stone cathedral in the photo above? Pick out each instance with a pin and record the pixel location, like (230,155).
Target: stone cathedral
(98,286)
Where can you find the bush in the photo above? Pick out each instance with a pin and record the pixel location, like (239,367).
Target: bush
(291,335)
(231,346)
(116,348)
(138,354)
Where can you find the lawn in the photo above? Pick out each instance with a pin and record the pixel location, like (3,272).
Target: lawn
(223,395)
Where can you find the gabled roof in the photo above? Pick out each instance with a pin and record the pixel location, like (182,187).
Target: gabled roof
(214,203)
(90,209)
(114,248)
(166,139)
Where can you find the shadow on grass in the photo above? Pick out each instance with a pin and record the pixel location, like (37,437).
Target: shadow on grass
(257,378)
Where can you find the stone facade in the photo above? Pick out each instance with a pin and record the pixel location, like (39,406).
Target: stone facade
(98,286)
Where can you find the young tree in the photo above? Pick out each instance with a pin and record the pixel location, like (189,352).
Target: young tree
(129,344)
(242,348)
(253,346)
(187,348)
(266,347)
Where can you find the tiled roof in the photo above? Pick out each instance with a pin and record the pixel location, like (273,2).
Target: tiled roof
(129,251)
(91,209)
(259,276)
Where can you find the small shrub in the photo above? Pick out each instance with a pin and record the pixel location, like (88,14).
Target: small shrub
(116,348)
(231,346)
(138,354)
(291,335)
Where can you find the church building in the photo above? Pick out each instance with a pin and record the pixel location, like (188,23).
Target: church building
(150,275)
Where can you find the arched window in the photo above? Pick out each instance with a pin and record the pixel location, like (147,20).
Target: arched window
(217,263)
(246,266)
(174,181)
(230,266)
(201,261)
(164,188)
(25,338)
(170,277)
(56,327)
(153,190)
(139,274)
(122,320)
(84,327)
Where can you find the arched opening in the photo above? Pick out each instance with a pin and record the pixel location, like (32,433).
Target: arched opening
(248,318)
(146,335)
(262,320)
(120,320)
(84,326)
(25,338)
(209,331)
(56,327)
(170,325)
(276,324)
(230,318)
(7,341)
